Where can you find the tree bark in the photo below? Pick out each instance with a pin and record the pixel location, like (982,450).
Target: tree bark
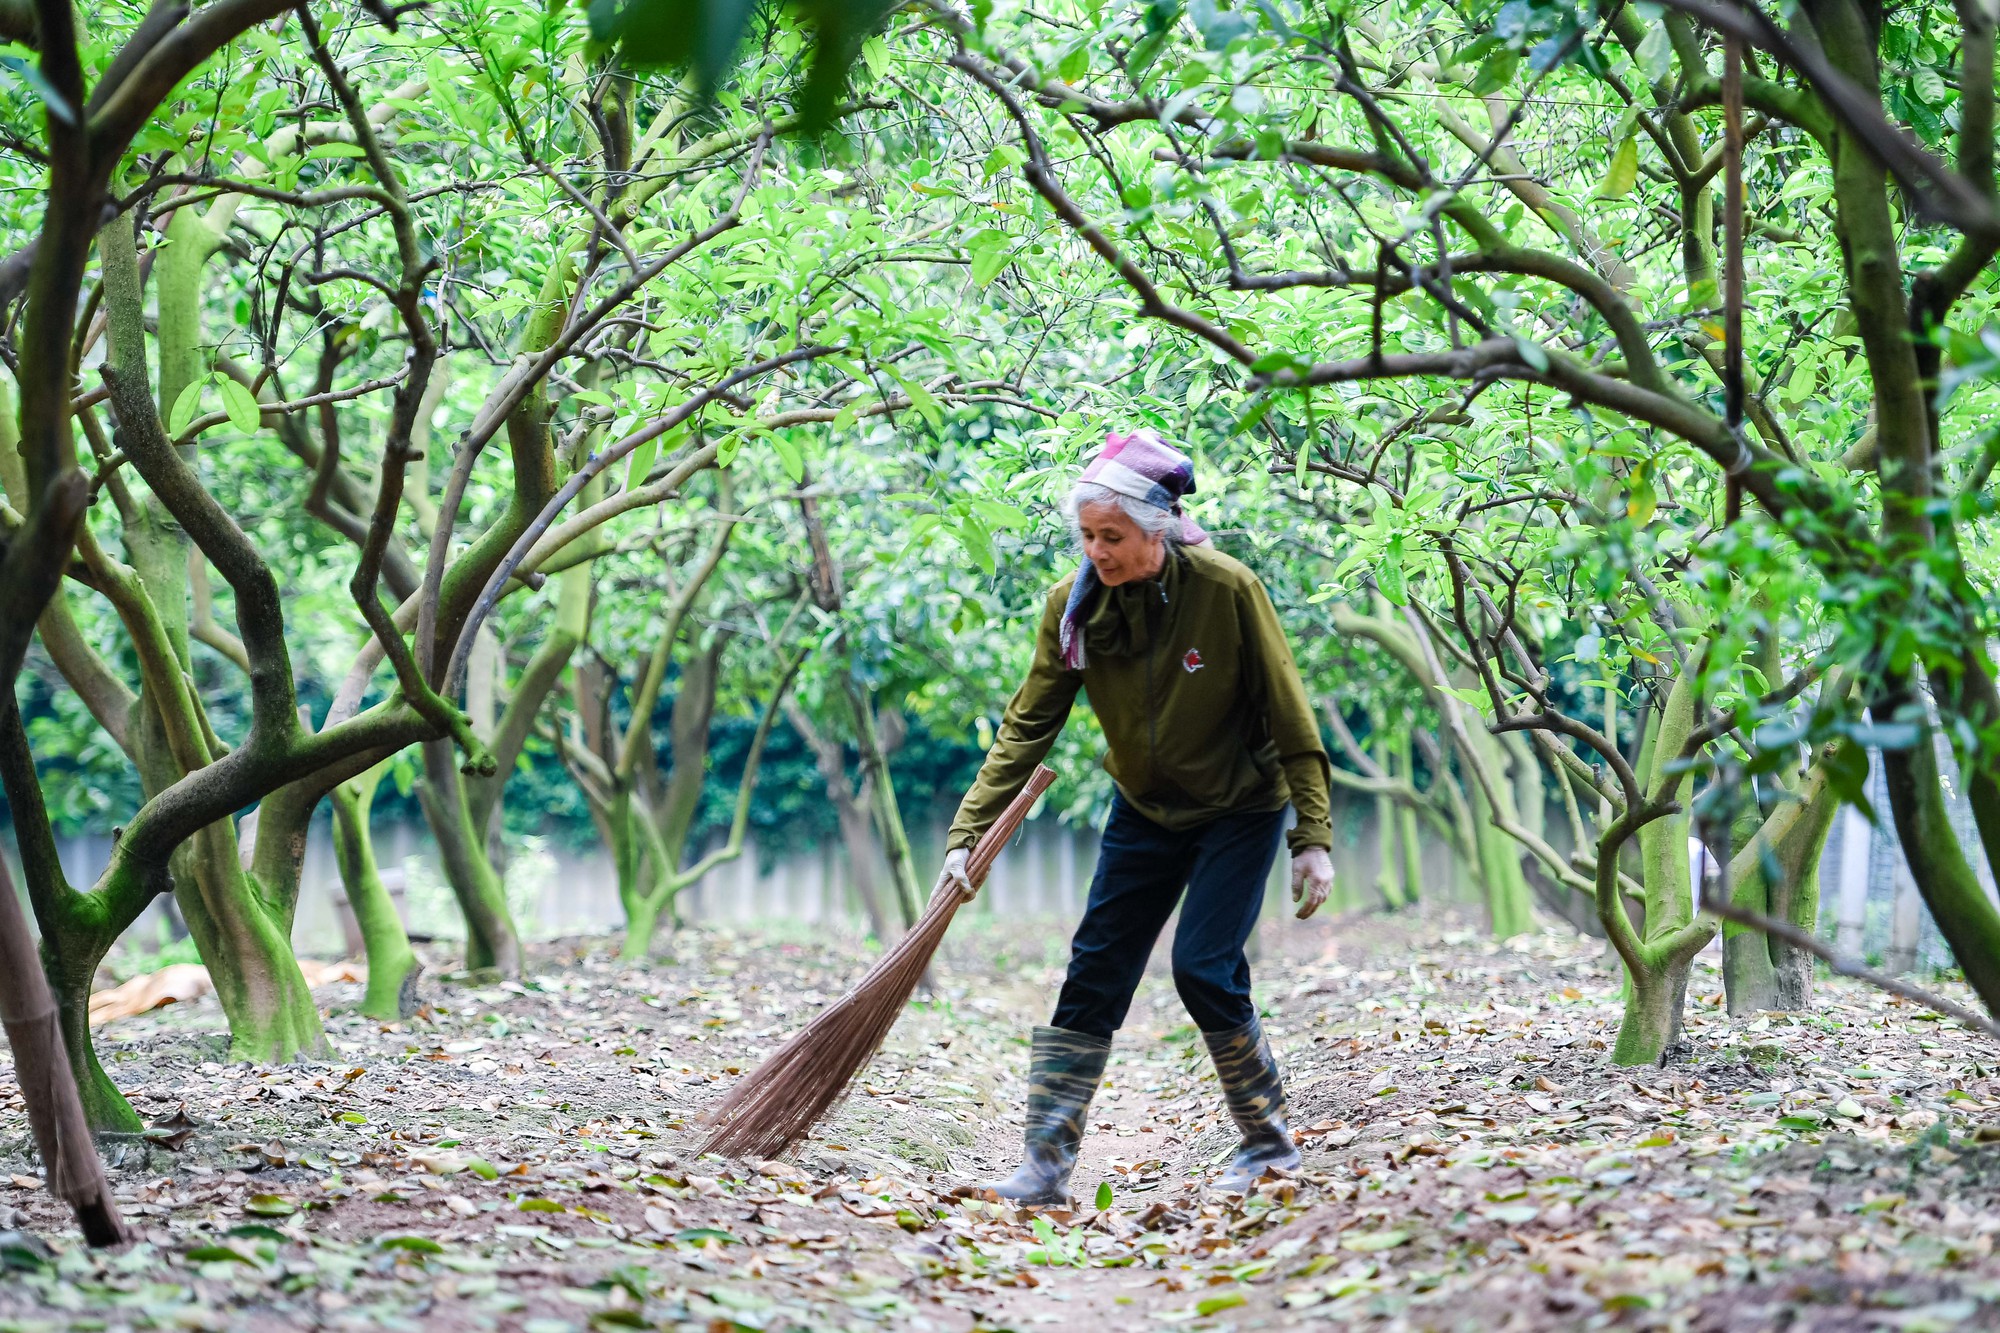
(1388,848)
(41,1067)
(393,968)
(882,800)
(491,940)
(855,831)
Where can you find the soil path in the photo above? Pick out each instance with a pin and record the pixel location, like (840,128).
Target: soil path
(520,1157)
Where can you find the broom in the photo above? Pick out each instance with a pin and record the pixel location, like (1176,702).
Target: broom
(777,1103)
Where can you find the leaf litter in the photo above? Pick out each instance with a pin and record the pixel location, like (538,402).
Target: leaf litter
(519,1156)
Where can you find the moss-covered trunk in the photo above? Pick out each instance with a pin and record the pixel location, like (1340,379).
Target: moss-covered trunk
(245,941)
(1412,846)
(1655,997)
(1658,955)
(491,940)
(393,968)
(1388,839)
(70,958)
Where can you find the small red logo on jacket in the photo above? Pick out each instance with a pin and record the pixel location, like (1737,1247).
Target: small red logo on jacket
(1192,662)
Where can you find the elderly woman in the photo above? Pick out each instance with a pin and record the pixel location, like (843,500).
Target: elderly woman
(1210,737)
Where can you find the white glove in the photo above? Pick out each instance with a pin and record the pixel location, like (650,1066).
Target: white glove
(1312,879)
(954,873)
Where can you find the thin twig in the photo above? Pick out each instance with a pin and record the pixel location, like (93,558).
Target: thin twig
(1845,966)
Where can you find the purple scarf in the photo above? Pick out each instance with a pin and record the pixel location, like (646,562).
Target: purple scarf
(1144,467)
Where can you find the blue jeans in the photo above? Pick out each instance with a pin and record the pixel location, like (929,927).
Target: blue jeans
(1141,870)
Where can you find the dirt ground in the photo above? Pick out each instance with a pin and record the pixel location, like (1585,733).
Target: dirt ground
(520,1157)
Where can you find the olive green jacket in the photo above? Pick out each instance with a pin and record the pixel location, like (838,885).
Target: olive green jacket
(1192,680)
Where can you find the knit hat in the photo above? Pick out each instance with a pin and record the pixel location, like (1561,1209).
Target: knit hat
(1146,468)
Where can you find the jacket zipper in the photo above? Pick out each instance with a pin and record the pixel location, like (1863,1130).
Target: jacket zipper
(1152,704)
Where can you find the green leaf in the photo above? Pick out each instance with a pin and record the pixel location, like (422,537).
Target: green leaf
(1656,52)
(1532,353)
(413,1244)
(875,55)
(334,150)
(258,1231)
(978,544)
(482,1168)
(534,1205)
(209,1254)
(31,74)
(1643,501)
(270,1205)
(1495,73)
(1370,1241)
(989,255)
(1227,1300)
(1103,1195)
(640,462)
(185,407)
(790,457)
(1927,84)
(1623,173)
(241,406)
(697,1235)
(1389,573)
(1257,412)
(1001,158)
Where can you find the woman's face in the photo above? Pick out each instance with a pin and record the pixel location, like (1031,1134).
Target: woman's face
(1120,549)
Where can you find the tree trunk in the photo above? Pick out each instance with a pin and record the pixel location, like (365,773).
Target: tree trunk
(1413,847)
(1749,980)
(859,842)
(393,968)
(882,801)
(1950,888)
(41,1068)
(491,941)
(855,832)
(246,945)
(642,918)
(1388,852)
(71,970)
(1508,901)
(1657,955)
(1654,998)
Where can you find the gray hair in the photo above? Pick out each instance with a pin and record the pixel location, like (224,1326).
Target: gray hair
(1150,518)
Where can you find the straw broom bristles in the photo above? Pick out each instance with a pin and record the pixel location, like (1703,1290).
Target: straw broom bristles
(777,1103)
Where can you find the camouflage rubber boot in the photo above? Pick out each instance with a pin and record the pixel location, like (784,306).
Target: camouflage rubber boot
(1063,1074)
(1256,1097)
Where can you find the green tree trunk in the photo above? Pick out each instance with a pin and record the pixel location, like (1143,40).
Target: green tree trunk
(70,958)
(491,940)
(245,942)
(393,968)
(1388,877)
(1749,977)
(1655,996)
(882,801)
(1412,846)
(1656,964)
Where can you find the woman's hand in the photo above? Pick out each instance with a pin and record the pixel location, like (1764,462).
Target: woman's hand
(954,873)
(1312,879)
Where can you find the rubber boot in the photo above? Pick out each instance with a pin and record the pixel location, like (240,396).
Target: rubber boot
(1256,1098)
(1063,1074)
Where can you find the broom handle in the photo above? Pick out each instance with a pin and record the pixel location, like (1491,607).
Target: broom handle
(987,850)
